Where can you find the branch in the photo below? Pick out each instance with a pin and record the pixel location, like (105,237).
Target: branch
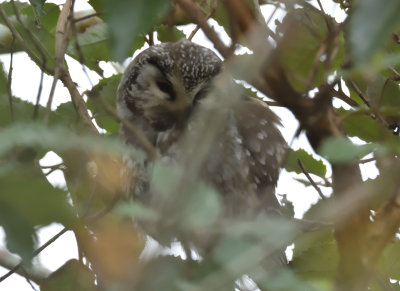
(35,253)
(136,132)
(200,19)
(35,273)
(311,180)
(22,42)
(77,101)
(61,42)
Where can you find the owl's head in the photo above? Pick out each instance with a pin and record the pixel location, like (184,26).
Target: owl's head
(164,82)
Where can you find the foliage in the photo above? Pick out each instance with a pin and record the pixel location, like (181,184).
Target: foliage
(306,62)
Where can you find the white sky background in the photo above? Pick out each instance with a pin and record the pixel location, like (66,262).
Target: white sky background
(27,73)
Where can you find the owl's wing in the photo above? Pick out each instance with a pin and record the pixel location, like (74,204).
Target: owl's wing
(264,146)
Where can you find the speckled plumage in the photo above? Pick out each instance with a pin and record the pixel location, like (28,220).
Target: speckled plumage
(160,91)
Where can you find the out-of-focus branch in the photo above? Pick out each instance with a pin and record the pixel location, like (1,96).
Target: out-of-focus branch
(64,75)
(200,18)
(17,266)
(77,101)
(61,41)
(136,132)
(21,42)
(35,273)
(311,180)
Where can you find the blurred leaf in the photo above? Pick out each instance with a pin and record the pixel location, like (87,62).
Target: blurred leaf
(116,249)
(44,33)
(360,125)
(129,18)
(59,139)
(304,33)
(285,279)
(70,276)
(371,23)
(135,210)
(167,33)
(66,115)
(342,150)
(170,274)
(93,43)
(97,5)
(383,92)
(237,252)
(38,6)
(107,90)
(198,208)
(27,200)
(388,263)
(315,256)
(311,164)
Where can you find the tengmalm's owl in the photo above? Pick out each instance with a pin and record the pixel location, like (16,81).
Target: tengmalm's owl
(165,91)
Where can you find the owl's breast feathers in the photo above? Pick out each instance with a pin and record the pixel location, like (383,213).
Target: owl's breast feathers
(244,160)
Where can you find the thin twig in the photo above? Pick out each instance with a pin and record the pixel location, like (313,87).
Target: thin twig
(78,102)
(197,28)
(328,24)
(311,180)
(364,161)
(61,42)
(21,41)
(9,81)
(199,17)
(141,137)
(35,253)
(38,45)
(151,38)
(81,56)
(359,93)
(87,16)
(35,273)
(26,275)
(342,96)
(39,94)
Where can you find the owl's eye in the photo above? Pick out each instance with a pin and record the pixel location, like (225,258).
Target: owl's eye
(166,88)
(200,95)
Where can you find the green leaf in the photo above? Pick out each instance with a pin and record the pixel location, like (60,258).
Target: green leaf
(97,5)
(59,139)
(383,92)
(38,6)
(93,44)
(315,256)
(311,164)
(166,33)
(70,276)
(371,23)
(44,33)
(341,150)
(136,210)
(388,264)
(129,18)
(360,125)
(198,208)
(106,90)
(284,279)
(27,200)
(304,33)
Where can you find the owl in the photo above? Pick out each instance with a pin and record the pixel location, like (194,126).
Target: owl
(175,93)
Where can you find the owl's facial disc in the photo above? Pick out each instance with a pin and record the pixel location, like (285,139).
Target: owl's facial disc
(161,97)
